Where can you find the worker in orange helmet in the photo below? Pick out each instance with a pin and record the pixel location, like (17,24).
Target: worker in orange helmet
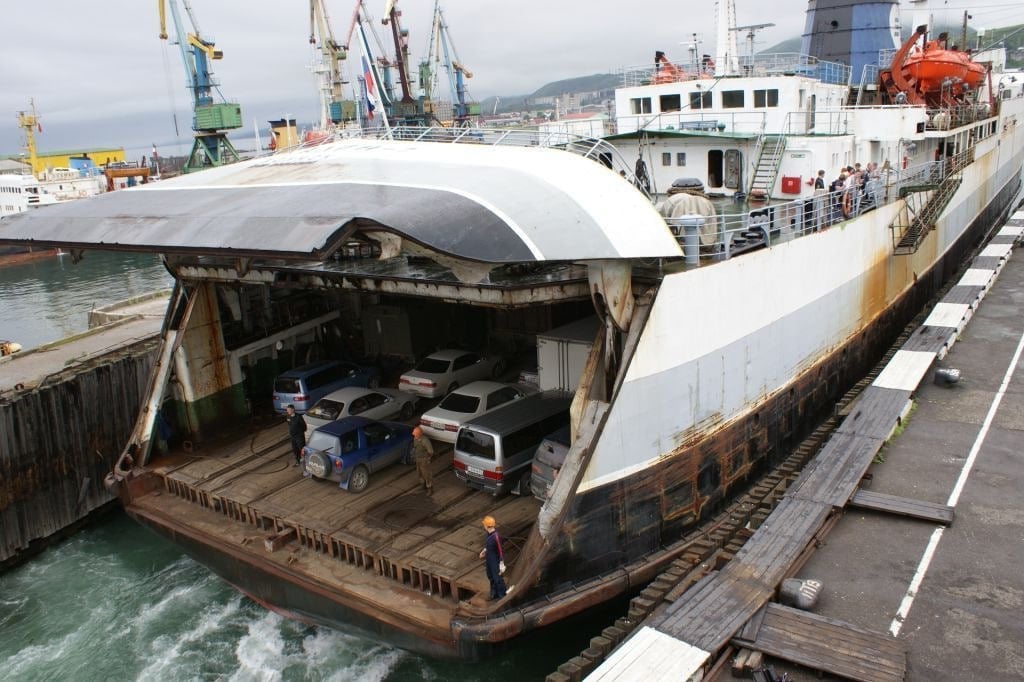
(495,556)
(422,453)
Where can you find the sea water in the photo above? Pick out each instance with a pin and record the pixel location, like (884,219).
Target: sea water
(117,602)
(50,298)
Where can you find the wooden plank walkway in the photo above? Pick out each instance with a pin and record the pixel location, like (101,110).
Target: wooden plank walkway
(941,514)
(393,529)
(826,644)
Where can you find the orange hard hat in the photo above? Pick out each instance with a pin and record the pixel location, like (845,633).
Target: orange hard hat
(488,522)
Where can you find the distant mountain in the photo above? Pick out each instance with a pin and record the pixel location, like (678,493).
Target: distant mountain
(594,83)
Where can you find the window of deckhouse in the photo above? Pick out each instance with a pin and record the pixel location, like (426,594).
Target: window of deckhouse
(700,100)
(766,98)
(669,103)
(732,99)
(640,105)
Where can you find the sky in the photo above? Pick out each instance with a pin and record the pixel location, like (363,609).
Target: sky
(100,76)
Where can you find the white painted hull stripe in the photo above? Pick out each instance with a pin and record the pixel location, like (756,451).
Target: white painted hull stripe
(651,656)
(905,371)
(947,315)
(996,250)
(976,277)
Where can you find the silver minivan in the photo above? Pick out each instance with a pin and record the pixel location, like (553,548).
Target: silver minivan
(494,452)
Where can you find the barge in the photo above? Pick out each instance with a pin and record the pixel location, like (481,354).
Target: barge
(722,338)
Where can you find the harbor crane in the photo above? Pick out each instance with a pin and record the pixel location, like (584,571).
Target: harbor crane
(408,110)
(210,119)
(441,49)
(334,108)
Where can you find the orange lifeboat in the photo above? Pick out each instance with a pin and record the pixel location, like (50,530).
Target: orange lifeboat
(935,68)
(933,75)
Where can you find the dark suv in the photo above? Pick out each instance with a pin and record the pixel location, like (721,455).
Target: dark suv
(349,450)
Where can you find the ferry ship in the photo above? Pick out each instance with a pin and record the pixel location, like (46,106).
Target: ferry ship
(724,336)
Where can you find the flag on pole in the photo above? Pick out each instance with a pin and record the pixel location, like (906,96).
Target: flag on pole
(372,97)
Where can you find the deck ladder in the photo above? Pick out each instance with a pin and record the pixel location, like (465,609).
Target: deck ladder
(769,158)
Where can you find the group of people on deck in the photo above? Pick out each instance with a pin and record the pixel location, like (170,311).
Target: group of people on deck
(848,193)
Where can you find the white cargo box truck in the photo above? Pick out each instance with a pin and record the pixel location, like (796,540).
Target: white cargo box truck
(562,354)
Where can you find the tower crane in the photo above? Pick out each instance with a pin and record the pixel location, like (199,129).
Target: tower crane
(210,119)
(334,109)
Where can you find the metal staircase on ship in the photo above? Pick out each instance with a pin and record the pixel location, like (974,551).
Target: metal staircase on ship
(769,158)
(925,202)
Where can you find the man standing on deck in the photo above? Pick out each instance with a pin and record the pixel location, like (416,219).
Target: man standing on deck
(296,432)
(422,453)
(495,556)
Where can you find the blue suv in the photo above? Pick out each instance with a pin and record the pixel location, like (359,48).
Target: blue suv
(349,450)
(303,386)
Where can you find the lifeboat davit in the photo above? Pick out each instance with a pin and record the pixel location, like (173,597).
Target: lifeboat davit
(936,68)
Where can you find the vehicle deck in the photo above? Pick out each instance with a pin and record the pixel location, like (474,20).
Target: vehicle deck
(245,490)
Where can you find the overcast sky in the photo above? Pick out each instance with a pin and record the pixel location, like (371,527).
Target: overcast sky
(100,75)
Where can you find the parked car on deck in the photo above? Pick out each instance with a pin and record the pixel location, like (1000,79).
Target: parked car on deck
(548,461)
(466,402)
(494,452)
(303,386)
(351,401)
(442,372)
(351,449)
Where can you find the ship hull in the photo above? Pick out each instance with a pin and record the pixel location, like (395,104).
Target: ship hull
(610,535)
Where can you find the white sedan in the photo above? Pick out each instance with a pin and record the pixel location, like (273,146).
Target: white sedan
(442,372)
(373,403)
(443,422)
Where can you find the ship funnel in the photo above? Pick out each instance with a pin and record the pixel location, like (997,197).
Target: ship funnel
(851,32)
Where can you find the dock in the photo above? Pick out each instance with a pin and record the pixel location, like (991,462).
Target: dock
(66,410)
(924,453)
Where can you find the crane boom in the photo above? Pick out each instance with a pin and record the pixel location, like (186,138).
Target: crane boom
(334,108)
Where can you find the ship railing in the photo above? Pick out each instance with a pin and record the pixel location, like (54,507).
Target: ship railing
(762,122)
(708,239)
(947,118)
(760,65)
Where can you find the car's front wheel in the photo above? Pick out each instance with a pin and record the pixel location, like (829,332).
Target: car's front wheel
(406,411)
(359,480)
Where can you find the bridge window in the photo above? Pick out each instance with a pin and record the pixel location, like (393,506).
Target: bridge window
(700,100)
(766,98)
(732,99)
(680,158)
(671,103)
(666,158)
(640,105)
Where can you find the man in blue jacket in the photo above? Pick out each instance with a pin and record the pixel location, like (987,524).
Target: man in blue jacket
(495,556)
